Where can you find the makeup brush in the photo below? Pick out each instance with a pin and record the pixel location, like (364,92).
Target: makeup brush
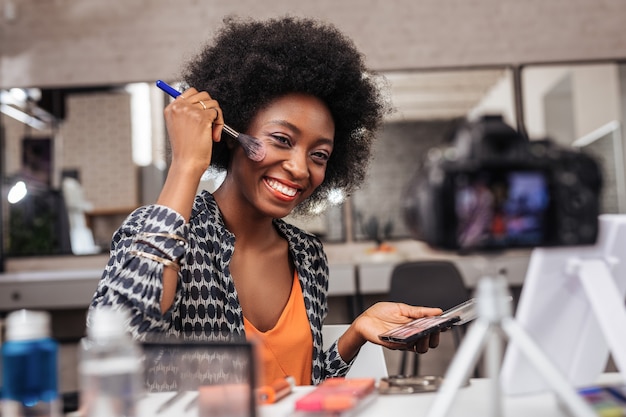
(252,146)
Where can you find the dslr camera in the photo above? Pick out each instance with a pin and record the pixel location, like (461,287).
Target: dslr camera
(492,189)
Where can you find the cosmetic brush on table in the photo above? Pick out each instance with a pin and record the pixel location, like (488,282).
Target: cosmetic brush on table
(252,146)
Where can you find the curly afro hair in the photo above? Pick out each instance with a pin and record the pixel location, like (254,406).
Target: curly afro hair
(251,63)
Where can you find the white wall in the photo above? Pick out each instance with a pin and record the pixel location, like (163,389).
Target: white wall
(537,82)
(595,98)
(498,100)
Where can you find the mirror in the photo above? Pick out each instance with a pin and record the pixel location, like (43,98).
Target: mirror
(429,105)
(583,106)
(104,157)
(111,141)
(574,105)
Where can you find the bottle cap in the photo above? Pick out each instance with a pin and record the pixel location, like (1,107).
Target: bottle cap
(28,325)
(107,323)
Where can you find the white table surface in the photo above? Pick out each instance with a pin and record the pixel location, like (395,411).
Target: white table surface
(74,288)
(60,289)
(472,400)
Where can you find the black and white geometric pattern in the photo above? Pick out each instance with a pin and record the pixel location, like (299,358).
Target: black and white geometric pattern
(206,302)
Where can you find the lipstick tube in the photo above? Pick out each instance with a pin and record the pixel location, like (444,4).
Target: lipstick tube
(280,388)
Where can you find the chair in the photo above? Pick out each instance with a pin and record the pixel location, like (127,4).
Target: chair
(433,283)
(370,362)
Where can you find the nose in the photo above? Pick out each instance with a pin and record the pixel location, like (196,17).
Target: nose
(296,164)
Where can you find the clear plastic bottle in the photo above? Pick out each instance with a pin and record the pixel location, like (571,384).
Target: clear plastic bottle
(29,367)
(110,367)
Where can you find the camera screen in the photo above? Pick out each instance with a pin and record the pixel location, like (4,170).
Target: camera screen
(501,208)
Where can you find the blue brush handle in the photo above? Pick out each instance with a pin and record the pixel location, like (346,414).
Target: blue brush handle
(175,93)
(250,144)
(167,88)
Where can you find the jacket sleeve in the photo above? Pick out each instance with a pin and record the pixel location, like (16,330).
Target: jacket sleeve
(133,277)
(334,364)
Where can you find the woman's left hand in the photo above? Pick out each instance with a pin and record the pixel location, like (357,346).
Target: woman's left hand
(385,316)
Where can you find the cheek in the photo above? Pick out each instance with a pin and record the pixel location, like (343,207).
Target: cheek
(318,173)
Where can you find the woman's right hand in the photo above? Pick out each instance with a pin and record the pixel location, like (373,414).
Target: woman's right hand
(194,120)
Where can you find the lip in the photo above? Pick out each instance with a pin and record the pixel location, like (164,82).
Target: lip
(278,194)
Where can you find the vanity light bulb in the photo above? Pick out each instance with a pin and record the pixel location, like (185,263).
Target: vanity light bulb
(17,192)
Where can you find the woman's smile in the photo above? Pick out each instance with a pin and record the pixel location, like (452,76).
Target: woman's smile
(281,189)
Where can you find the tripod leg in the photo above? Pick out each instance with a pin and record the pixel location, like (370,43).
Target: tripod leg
(459,370)
(550,373)
(493,361)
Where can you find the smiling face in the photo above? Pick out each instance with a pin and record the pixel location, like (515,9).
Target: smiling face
(297,131)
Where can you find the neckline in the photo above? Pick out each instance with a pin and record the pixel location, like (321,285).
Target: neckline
(283,313)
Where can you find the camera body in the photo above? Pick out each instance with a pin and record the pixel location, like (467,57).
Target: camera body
(494,189)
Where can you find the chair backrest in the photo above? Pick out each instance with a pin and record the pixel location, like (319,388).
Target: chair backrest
(432,283)
(435,283)
(370,362)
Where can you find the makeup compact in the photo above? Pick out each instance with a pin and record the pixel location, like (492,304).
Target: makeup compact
(401,384)
(411,332)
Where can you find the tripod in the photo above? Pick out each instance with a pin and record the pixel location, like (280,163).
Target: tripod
(493,323)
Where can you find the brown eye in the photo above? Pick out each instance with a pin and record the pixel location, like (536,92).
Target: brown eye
(321,156)
(282,139)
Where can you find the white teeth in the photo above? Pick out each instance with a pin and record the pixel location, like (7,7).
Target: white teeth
(282,188)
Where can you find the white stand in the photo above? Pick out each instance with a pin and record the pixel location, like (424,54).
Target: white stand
(495,321)
(607,303)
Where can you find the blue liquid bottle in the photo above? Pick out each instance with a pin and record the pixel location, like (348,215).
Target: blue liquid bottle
(29,367)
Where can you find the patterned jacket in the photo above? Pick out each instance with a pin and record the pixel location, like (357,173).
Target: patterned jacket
(206,299)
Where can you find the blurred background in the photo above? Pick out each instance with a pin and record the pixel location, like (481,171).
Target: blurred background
(82,139)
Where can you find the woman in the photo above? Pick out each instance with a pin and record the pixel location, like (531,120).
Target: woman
(224,262)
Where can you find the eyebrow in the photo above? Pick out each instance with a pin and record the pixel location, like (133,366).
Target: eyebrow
(298,130)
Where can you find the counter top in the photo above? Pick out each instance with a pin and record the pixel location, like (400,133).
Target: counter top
(70,281)
(472,400)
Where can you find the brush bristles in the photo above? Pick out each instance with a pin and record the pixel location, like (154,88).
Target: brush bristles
(253,147)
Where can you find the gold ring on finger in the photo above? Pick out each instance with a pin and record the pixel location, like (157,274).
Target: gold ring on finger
(202,104)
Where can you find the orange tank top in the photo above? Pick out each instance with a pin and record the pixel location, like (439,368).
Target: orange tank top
(287,348)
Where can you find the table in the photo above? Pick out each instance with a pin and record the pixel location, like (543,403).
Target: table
(55,287)
(374,277)
(74,288)
(60,289)
(472,400)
